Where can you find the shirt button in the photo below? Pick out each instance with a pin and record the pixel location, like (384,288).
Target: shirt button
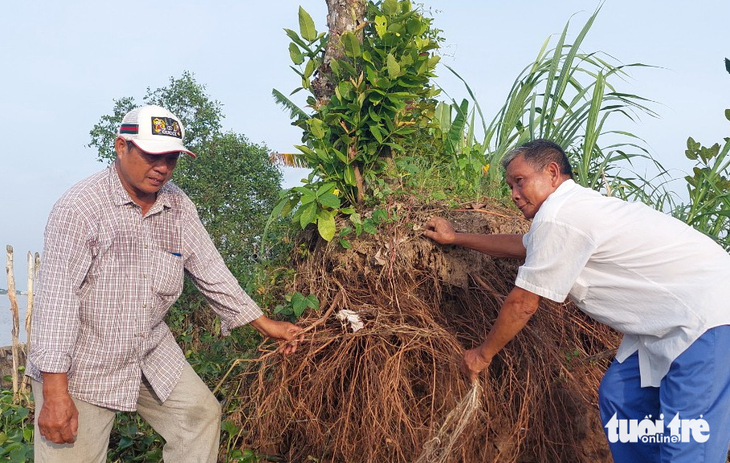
(144,306)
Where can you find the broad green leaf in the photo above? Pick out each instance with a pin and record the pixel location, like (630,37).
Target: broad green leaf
(727,66)
(727,114)
(298,311)
(335,66)
(306,26)
(433,61)
(373,114)
(308,69)
(288,206)
(298,302)
(355,218)
(307,196)
(375,130)
(329,200)
(350,176)
(393,66)
(390,7)
(345,244)
(312,302)
(326,224)
(381,25)
(351,44)
(413,26)
(296,55)
(340,155)
(295,38)
(326,188)
(317,127)
(229,427)
(369,227)
(309,213)
(306,150)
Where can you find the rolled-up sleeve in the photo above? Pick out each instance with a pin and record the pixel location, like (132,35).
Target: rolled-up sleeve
(65,263)
(205,266)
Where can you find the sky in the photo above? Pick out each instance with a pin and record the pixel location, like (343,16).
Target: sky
(65,62)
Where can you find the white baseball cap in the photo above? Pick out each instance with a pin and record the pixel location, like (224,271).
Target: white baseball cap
(154,130)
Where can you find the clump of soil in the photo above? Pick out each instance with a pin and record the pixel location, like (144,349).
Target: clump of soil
(379,394)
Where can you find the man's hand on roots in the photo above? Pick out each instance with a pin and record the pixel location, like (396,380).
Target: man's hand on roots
(285,332)
(439,230)
(473,362)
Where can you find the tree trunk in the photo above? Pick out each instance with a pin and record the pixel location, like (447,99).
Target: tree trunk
(342,16)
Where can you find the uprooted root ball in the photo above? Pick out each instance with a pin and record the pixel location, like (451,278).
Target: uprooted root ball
(379,394)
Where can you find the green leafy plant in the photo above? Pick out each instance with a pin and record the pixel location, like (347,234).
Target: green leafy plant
(708,189)
(16,432)
(565,95)
(296,304)
(133,440)
(231,435)
(382,95)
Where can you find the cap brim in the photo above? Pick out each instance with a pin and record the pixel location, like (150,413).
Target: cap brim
(160,147)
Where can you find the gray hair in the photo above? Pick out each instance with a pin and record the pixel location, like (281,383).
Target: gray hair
(538,154)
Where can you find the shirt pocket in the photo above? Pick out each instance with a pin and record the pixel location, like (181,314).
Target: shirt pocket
(167,273)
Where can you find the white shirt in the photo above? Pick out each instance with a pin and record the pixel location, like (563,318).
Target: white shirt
(644,273)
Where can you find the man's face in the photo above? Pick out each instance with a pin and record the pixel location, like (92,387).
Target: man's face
(143,174)
(531,188)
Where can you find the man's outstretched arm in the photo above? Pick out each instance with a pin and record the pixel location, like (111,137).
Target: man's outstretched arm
(507,246)
(517,309)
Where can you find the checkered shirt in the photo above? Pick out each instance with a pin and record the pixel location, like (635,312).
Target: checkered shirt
(108,277)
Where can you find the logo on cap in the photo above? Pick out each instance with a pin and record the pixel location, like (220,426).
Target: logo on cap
(166,126)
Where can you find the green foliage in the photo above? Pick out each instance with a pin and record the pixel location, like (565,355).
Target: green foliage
(133,440)
(382,96)
(16,432)
(296,304)
(565,95)
(231,435)
(708,188)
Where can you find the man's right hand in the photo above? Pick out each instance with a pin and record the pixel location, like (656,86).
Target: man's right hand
(440,230)
(58,420)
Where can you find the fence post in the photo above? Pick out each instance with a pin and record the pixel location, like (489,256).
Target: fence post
(34,262)
(16,323)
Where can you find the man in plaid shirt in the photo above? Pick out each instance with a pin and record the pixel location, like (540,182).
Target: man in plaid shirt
(116,248)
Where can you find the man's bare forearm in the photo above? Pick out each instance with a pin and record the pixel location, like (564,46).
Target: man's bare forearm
(506,246)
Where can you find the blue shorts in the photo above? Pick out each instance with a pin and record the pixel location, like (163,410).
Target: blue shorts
(684,420)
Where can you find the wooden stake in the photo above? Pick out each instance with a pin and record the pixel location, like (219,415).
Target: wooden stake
(33,264)
(16,323)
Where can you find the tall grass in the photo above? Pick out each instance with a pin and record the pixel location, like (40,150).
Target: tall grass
(571,97)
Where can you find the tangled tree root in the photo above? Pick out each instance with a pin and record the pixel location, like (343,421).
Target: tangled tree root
(381,393)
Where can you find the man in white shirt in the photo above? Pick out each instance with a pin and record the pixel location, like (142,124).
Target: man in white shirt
(658,281)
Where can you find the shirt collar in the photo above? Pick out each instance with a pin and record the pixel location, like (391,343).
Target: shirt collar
(562,190)
(121,197)
(565,187)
